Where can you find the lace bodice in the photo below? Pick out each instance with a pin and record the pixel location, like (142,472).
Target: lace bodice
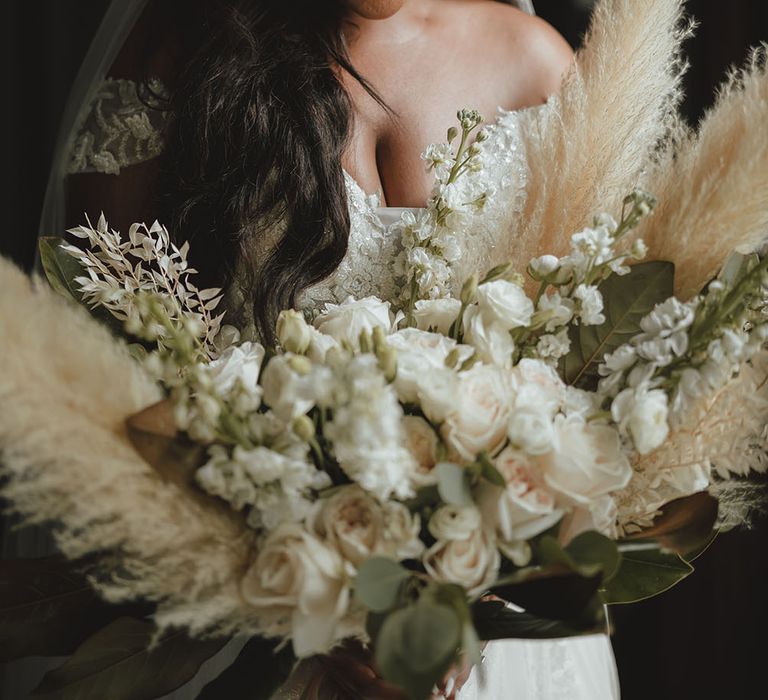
(369,266)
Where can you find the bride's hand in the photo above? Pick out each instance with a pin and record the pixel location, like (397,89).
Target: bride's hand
(453,681)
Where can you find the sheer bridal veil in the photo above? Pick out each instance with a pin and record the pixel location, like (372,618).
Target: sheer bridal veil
(119,19)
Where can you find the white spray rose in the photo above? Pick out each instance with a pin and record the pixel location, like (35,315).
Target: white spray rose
(491,339)
(422,442)
(506,303)
(297,576)
(345,322)
(436,314)
(478,421)
(642,413)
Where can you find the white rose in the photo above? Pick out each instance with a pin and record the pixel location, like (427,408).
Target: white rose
(471,561)
(436,314)
(492,340)
(421,441)
(505,302)
(538,386)
(586,461)
(454,522)
(478,421)
(297,576)
(644,414)
(439,393)
(525,507)
(345,322)
(531,430)
(238,363)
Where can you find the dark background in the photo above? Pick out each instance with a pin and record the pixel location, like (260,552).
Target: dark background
(705,638)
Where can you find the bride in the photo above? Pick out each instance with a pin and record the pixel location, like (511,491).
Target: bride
(283,138)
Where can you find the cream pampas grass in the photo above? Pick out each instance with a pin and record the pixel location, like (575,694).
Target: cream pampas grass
(725,436)
(713,186)
(585,148)
(66,388)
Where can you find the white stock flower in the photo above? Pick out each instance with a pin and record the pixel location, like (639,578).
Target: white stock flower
(586,461)
(238,363)
(346,321)
(591,305)
(288,393)
(436,314)
(642,413)
(478,421)
(554,311)
(505,303)
(553,346)
(298,577)
(319,345)
(465,552)
(491,339)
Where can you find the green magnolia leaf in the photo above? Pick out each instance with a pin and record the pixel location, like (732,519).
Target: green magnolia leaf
(627,299)
(117,663)
(490,473)
(256,674)
(453,484)
(591,549)
(46,608)
(60,268)
(417,645)
(494,620)
(645,571)
(378,583)
(684,525)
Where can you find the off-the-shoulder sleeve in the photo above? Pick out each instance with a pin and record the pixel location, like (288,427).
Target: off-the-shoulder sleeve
(122,126)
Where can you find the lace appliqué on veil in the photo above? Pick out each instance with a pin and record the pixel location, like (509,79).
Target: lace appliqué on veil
(122,126)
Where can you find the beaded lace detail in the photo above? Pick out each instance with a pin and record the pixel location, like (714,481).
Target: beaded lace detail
(122,126)
(369,266)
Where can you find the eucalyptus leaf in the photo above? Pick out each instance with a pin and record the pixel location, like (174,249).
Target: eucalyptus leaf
(494,620)
(645,571)
(417,645)
(453,484)
(47,608)
(378,583)
(256,674)
(117,663)
(627,299)
(591,549)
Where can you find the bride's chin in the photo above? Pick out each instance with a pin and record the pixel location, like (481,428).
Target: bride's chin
(375,9)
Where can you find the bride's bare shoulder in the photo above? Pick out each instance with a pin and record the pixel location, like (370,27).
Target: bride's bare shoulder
(537,53)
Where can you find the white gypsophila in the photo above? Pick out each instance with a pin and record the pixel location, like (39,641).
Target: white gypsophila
(590,306)
(642,413)
(436,314)
(491,339)
(478,421)
(118,270)
(505,303)
(346,321)
(299,586)
(366,429)
(553,346)
(554,311)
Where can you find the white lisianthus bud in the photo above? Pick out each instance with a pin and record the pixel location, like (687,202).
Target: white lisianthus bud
(293,332)
(304,427)
(469,290)
(544,266)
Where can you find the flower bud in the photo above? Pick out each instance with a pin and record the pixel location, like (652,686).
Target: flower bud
(452,133)
(304,428)
(469,290)
(542,267)
(387,357)
(292,332)
(452,358)
(300,364)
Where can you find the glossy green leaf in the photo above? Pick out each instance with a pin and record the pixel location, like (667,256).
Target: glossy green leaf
(256,674)
(645,571)
(117,663)
(60,268)
(378,583)
(47,608)
(494,620)
(627,299)
(453,484)
(592,550)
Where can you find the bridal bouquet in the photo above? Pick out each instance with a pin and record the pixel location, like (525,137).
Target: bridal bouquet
(396,464)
